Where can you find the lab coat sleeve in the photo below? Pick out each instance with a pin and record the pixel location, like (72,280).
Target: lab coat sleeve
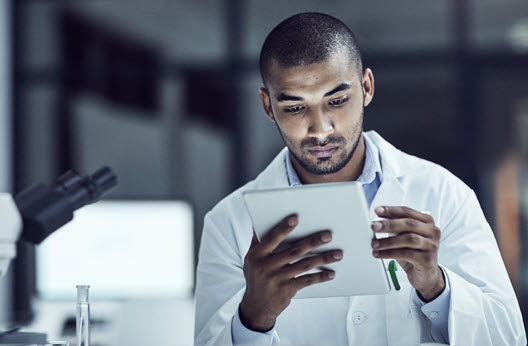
(220,285)
(483,307)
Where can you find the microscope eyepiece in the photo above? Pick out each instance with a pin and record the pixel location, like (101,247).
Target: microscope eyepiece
(44,208)
(104,179)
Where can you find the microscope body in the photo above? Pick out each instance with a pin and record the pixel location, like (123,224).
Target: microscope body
(11,230)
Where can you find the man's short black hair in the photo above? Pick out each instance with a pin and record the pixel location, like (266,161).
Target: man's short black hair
(308,38)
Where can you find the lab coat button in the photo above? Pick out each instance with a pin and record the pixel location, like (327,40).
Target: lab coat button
(359,317)
(433,314)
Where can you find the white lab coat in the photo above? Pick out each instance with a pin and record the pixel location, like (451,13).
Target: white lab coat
(483,307)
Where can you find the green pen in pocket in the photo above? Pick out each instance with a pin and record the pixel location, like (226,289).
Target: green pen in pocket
(392,272)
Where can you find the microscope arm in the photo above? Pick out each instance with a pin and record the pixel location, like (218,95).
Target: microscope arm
(10,230)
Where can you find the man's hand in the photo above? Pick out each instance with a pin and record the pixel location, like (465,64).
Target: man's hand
(414,245)
(272,280)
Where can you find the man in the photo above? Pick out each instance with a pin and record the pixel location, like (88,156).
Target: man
(454,287)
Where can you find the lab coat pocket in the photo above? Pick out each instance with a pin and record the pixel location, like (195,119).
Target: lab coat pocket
(406,323)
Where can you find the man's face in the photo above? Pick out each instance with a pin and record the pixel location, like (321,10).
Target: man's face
(318,110)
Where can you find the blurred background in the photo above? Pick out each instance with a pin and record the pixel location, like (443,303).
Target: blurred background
(166,93)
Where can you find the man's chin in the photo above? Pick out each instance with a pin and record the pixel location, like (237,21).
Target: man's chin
(323,166)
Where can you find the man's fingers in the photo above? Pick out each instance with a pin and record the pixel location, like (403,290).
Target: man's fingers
(310,263)
(277,234)
(405,240)
(405,225)
(301,248)
(403,212)
(410,255)
(312,279)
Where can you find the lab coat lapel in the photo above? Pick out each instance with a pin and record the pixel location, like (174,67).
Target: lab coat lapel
(390,193)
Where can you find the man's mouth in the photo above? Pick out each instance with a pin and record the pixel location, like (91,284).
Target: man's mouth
(322,152)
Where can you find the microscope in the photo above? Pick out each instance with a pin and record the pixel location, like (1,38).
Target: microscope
(35,213)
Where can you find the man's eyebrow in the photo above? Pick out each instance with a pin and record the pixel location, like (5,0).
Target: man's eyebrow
(340,87)
(285,97)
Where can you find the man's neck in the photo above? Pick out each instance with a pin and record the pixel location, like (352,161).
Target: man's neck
(350,172)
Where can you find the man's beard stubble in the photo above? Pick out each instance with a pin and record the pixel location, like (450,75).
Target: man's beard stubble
(324,166)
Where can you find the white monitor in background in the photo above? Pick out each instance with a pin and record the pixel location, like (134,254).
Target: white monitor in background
(122,249)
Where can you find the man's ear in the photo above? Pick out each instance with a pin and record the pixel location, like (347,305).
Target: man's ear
(368,86)
(266,103)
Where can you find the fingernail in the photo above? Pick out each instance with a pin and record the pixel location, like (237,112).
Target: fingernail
(375,253)
(292,221)
(375,244)
(326,237)
(376,226)
(338,255)
(331,275)
(379,210)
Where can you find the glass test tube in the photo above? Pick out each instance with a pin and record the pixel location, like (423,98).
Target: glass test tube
(83,316)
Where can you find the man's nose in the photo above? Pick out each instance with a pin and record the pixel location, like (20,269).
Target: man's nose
(321,125)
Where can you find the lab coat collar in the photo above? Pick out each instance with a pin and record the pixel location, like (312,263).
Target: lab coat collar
(275,175)
(392,159)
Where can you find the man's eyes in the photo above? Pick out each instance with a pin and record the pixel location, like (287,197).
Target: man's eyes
(299,109)
(338,102)
(294,110)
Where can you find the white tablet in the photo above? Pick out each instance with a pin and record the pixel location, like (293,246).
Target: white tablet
(338,207)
